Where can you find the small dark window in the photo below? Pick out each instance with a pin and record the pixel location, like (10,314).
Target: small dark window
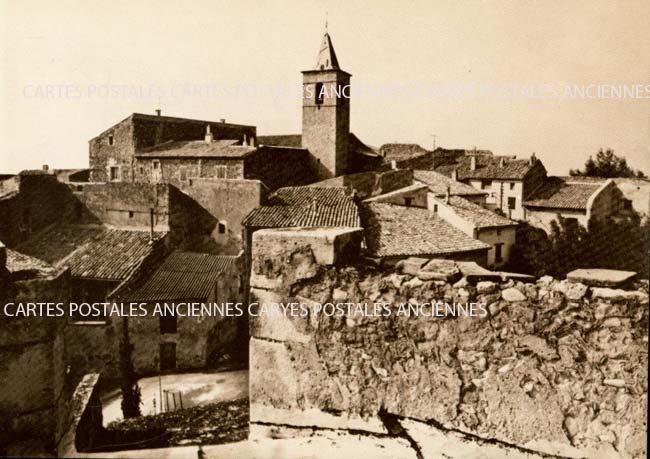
(183,173)
(435,207)
(114,171)
(512,203)
(168,324)
(131,214)
(141,170)
(627,204)
(156,165)
(221,172)
(111,140)
(498,255)
(408,202)
(319,94)
(512,185)
(222,228)
(486,184)
(80,187)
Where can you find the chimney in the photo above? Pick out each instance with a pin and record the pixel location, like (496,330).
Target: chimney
(533,159)
(222,120)
(158,112)
(46,168)
(502,162)
(472,163)
(208,135)
(454,175)
(447,194)
(151,218)
(245,142)
(393,164)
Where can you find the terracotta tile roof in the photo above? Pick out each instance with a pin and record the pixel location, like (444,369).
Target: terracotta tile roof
(404,231)
(438,184)
(19,263)
(92,252)
(480,217)
(555,193)
(488,167)
(308,207)
(197,149)
(401,151)
(183,276)
(291,140)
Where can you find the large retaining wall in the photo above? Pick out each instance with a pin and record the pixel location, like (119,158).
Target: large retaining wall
(553,368)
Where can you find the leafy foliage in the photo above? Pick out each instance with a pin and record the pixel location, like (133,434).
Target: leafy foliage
(607,243)
(607,165)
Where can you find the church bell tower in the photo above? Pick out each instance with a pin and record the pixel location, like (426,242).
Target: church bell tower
(326,112)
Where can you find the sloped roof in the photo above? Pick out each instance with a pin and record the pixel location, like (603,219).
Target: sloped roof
(92,252)
(327,59)
(393,230)
(184,276)
(556,193)
(401,151)
(306,206)
(488,167)
(289,140)
(197,149)
(20,263)
(438,184)
(480,217)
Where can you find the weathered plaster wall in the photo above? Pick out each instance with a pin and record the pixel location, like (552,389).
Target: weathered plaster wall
(227,202)
(554,368)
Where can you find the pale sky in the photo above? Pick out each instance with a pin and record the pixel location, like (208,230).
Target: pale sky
(241,60)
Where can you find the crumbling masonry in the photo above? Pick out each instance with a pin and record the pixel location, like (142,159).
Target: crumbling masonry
(556,369)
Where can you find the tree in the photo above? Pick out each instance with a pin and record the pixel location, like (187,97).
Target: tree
(607,165)
(131,395)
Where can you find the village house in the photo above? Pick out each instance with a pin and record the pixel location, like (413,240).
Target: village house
(440,184)
(478,223)
(176,342)
(394,232)
(509,181)
(577,200)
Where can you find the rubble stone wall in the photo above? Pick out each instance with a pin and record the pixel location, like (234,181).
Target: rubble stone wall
(554,368)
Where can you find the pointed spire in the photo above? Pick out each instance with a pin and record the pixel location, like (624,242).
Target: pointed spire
(326,56)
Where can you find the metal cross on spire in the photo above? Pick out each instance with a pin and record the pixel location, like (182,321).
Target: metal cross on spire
(326,21)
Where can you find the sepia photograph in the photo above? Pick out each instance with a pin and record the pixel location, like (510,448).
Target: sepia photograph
(326,229)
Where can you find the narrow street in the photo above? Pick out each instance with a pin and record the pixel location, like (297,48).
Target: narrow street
(196,389)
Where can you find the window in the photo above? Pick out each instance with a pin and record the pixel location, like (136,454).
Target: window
(319,94)
(435,207)
(498,231)
(627,204)
(512,185)
(168,324)
(131,214)
(408,202)
(156,164)
(114,173)
(221,172)
(111,140)
(512,203)
(141,169)
(486,184)
(498,253)
(222,228)
(80,187)
(183,173)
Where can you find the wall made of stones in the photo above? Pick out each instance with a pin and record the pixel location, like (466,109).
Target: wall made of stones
(553,367)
